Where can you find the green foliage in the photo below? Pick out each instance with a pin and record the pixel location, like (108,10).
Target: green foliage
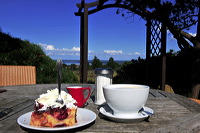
(15,51)
(182,14)
(73,66)
(8,43)
(112,64)
(96,63)
(177,15)
(46,71)
(69,77)
(131,72)
(90,67)
(182,71)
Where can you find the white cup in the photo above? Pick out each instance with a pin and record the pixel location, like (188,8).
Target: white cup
(126,99)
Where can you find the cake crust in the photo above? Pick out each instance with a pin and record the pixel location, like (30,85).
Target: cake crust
(58,118)
(48,113)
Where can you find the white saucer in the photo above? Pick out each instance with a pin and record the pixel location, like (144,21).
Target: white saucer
(107,111)
(84,117)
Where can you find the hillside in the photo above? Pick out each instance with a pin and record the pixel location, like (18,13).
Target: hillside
(14,51)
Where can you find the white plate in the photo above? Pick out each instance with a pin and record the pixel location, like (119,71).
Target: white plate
(107,111)
(84,117)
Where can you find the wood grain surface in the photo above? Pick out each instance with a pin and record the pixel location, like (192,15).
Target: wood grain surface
(172,113)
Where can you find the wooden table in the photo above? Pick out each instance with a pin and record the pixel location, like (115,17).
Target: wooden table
(173,113)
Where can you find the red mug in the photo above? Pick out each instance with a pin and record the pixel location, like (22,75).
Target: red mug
(77,92)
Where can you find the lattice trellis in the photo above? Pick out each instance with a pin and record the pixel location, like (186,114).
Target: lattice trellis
(155,46)
(155,41)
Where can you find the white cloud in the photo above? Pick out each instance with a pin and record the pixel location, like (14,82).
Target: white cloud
(193,34)
(50,47)
(50,50)
(42,45)
(77,54)
(65,49)
(74,52)
(168,32)
(113,52)
(76,49)
(171,36)
(137,53)
(47,47)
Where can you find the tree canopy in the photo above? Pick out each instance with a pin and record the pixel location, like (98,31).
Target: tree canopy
(112,64)
(96,63)
(178,16)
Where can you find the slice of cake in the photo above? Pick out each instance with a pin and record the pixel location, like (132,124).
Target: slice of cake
(49,113)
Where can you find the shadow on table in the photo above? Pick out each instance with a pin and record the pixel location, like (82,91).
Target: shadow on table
(5,111)
(93,98)
(2,90)
(107,119)
(78,129)
(107,111)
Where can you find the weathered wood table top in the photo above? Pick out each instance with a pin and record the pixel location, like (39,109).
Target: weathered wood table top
(172,113)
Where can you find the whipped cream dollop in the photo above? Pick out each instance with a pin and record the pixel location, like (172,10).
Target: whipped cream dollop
(49,100)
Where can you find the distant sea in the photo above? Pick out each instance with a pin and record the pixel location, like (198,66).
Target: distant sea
(77,62)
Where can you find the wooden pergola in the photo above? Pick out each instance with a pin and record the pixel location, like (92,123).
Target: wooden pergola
(155,37)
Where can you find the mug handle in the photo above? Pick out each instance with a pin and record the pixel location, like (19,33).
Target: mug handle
(89,91)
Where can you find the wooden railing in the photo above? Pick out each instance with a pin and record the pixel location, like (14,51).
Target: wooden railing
(17,75)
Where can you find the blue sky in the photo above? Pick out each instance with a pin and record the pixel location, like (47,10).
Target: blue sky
(53,25)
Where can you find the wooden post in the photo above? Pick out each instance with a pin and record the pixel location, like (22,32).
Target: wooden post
(163,54)
(149,42)
(84,37)
(148,49)
(84,45)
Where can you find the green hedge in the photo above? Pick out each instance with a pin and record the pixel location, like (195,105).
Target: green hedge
(14,51)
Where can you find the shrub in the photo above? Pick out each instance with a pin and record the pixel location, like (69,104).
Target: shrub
(15,51)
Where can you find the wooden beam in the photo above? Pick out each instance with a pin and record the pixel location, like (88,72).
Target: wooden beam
(148,49)
(163,54)
(84,46)
(92,4)
(148,38)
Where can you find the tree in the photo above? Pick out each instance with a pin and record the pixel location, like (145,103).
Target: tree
(14,51)
(112,64)
(131,72)
(178,16)
(73,66)
(96,63)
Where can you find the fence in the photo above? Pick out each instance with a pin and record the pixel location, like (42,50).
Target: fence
(17,75)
